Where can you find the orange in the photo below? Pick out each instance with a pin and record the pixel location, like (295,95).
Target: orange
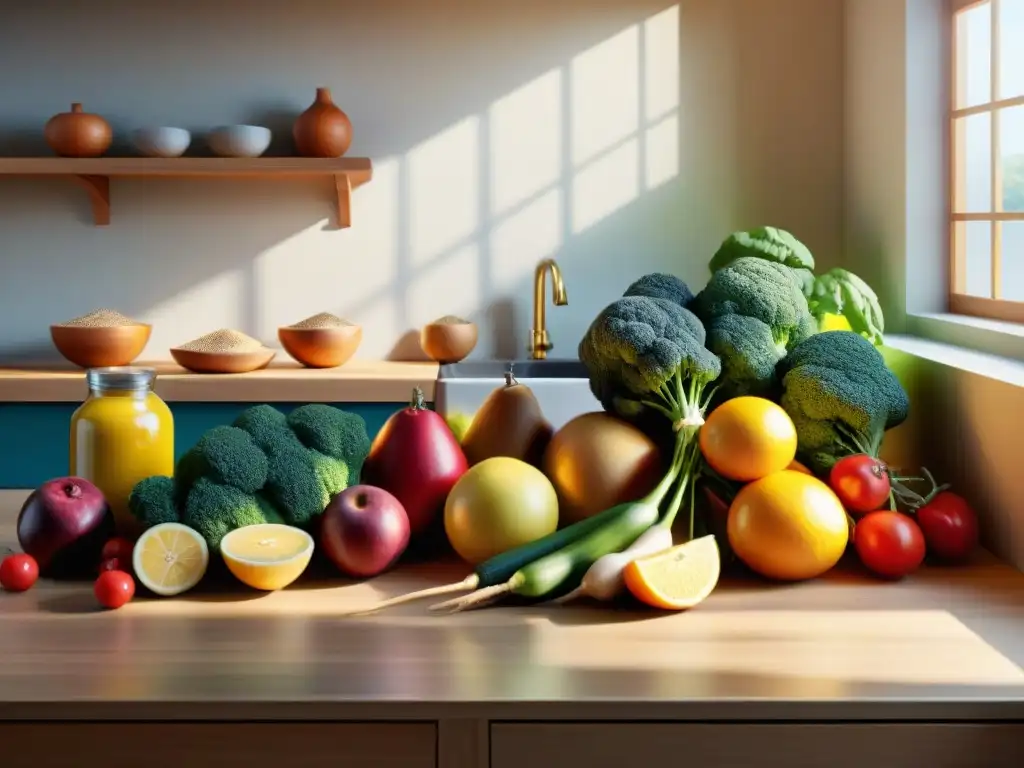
(788,526)
(747,438)
(678,578)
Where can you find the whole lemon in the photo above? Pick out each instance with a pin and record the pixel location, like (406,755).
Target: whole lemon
(788,526)
(747,438)
(499,504)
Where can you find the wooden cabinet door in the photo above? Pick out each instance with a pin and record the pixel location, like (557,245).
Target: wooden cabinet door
(219,745)
(797,745)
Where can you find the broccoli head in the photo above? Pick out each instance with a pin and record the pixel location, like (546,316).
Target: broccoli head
(749,356)
(659,285)
(225,455)
(153,500)
(334,433)
(763,290)
(771,244)
(640,349)
(265,467)
(841,397)
(214,509)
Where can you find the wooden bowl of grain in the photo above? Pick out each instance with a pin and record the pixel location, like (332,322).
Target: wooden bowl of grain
(321,341)
(448,339)
(101,339)
(223,351)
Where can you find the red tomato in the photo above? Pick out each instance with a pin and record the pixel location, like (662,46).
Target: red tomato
(18,572)
(119,548)
(861,482)
(949,525)
(889,543)
(114,588)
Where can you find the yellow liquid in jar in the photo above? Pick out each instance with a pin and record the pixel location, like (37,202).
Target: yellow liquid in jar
(117,439)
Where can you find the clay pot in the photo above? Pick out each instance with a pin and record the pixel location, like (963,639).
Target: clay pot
(78,134)
(323,130)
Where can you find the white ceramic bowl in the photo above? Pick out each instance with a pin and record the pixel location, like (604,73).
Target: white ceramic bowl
(239,140)
(162,141)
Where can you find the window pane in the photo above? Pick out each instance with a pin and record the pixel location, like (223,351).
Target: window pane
(974,56)
(977,236)
(1012,261)
(1011,49)
(1011,143)
(973,150)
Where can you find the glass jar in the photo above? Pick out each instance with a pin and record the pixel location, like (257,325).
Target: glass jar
(122,433)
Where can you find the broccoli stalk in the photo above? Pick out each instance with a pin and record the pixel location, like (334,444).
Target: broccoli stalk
(646,354)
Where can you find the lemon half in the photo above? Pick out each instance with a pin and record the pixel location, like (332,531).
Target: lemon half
(170,558)
(268,556)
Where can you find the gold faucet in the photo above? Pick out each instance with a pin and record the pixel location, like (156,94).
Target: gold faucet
(540,342)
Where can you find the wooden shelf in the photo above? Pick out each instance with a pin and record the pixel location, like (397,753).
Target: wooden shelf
(94,174)
(358,381)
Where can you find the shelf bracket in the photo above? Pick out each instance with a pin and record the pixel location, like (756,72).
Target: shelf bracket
(343,188)
(98,188)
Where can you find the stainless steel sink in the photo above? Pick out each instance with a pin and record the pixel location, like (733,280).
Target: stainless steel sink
(560,386)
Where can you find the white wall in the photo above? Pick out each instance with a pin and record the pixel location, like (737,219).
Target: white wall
(619,137)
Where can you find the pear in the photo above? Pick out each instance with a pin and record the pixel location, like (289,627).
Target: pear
(509,423)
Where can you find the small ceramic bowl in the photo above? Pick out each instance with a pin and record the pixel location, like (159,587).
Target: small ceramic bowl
(239,140)
(448,342)
(321,347)
(161,141)
(100,347)
(222,362)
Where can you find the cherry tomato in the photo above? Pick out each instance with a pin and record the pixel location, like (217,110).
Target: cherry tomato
(115,564)
(861,482)
(889,543)
(114,588)
(118,547)
(949,525)
(18,572)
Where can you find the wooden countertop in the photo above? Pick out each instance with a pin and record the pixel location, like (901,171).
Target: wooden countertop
(358,381)
(947,643)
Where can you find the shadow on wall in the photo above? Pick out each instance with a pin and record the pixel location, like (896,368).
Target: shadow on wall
(580,158)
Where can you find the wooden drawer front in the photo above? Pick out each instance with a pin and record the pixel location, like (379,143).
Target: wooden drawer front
(617,745)
(197,745)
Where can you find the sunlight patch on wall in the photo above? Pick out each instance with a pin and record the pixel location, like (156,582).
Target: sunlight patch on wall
(449,286)
(661,161)
(605,186)
(661,63)
(525,140)
(530,234)
(217,302)
(605,94)
(444,190)
(307,273)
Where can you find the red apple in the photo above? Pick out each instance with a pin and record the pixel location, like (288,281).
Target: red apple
(64,524)
(364,530)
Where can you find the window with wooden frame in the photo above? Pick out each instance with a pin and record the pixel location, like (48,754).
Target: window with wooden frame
(987,153)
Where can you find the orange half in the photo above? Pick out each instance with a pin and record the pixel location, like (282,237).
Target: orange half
(678,578)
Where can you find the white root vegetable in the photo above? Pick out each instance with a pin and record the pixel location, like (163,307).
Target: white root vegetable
(604,579)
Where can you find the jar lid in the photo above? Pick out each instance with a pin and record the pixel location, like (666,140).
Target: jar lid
(123,379)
